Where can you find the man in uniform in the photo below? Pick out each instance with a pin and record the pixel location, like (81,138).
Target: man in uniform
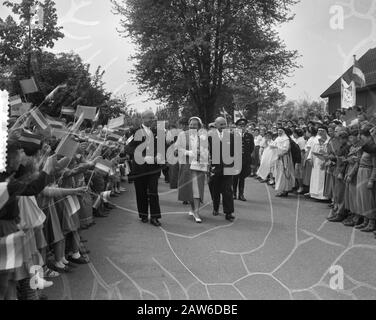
(248,146)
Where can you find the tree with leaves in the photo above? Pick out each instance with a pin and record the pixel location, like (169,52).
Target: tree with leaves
(191,49)
(19,40)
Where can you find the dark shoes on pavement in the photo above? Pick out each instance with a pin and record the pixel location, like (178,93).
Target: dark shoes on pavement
(241,198)
(230,217)
(215,213)
(80,260)
(155,222)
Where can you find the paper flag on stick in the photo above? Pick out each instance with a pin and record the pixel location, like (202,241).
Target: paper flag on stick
(103,166)
(4,196)
(29,86)
(11,251)
(39,119)
(78,123)
(97,202)
(67,147)
(15,104)
(72,205)
(68,111)
(115,123)
(89,112)
(106,196)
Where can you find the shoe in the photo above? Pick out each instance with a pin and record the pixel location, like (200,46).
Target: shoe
(241,198)
(337,218)
(215,213)
(371,227)
(230,217)
(282,195)
(332,214)
(42,296)
(331,205)
(144,220)
(80,260)
(361,226)
(235,196)
(61,270)
(349,221)
(155,222)
(197,219)
(50,274)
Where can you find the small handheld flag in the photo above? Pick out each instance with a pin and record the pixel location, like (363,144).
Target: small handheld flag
(116,123)
(68,111)
(11,251)
(103,166)
(29,86)
(15,104)
(39,119)
(67,147)
(89,112)
(72,205)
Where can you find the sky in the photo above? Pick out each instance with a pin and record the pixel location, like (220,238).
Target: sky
(90,30)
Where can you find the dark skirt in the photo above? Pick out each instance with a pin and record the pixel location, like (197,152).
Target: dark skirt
(329,185)
(174,176)
(86,210)
(190,182)
(52,227)
(307,171)
(350,197)
(366,198)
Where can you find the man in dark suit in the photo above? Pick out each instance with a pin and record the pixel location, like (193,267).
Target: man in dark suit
(145,170)
(220,180)
(248,146)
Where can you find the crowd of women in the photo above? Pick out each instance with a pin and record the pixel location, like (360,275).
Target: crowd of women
(47,200)
(326,160)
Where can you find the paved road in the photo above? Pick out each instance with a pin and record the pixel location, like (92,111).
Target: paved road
(276,249)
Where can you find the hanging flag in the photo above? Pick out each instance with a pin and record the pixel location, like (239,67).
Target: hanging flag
(72,205)
(116,123)
(348,94)
(15,104)
(103,166)
(89,112)
(4,196)
(358,75)
(67,147)
(68,111)
(29,86)
(37,17)
(11,251)
(39,119)
(53,93)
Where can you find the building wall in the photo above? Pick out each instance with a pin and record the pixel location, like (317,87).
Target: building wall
(365,99)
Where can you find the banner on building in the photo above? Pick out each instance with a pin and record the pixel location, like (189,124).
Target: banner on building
(348,94)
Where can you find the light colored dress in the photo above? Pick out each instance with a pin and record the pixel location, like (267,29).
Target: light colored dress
(267,163)
(191,183)
(318,172)
(285,178)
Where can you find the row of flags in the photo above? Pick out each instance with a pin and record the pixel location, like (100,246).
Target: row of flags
(348,90)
